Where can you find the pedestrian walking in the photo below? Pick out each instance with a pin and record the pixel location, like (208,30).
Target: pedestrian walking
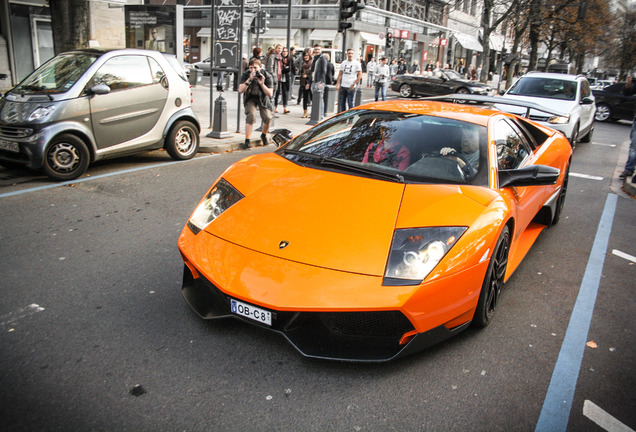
(283,83)
(349,76)
(630,165)
(304,92)
(318,78)
(382,77)
(274,65)
(293,71)
(371,65)
(257,88)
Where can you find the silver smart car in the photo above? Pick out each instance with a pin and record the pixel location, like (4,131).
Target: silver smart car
(86,105)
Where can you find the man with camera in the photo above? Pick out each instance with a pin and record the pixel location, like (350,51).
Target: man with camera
(257,87)
(382,74)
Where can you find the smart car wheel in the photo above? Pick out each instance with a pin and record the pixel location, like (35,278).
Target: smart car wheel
(406,90)
(603,113)
(66,158)
(183,141)
(462,91)
(493,282)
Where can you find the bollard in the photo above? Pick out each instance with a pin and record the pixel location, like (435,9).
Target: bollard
(317,102)
(219,126)
(357,99)
(330,98)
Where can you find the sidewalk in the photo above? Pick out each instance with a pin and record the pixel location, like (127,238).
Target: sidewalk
(201,106)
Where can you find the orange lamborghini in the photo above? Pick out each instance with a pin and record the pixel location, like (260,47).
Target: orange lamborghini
(378,232)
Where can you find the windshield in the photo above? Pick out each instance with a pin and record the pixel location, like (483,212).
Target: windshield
(453,75)
(58,74)
(551,88)
(410,148)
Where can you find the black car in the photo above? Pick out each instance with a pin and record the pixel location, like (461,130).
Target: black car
(612,104)
(441,82)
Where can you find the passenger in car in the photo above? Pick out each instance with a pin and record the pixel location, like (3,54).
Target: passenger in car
(388,152)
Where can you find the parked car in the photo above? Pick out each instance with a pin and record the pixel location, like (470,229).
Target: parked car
(203,65)
(87,105)
(443,82)
(568,94)
(601,84)
(612,104)
(400,219)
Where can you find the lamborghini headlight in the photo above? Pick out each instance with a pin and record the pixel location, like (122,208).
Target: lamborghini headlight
(415,252)
(559,120)
(220,198)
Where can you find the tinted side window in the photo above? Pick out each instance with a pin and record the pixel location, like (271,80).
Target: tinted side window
(585,89)
(124,72)
(512,149)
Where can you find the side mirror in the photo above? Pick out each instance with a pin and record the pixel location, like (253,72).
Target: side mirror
(99,89)
(502,92)
(281,136)
(535,175)
(587,101)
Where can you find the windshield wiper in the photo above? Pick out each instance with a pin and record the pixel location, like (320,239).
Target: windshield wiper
(338,163)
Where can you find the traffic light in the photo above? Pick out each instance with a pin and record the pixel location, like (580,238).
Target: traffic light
(263,20)
(389,39)
(348,8)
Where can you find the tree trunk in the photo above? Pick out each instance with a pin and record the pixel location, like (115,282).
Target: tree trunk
(69,19)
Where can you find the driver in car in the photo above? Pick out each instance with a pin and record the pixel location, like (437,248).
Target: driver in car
(469,150)
(388,152)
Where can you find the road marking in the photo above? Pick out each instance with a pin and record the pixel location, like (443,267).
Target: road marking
(12,317)
(585,176)
(604,145)
(603,419)
(558,399)
(101,176)
(624,255)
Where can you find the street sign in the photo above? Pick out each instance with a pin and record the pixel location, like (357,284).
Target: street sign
(381,36)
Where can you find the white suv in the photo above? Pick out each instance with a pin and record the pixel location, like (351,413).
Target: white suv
(567,94)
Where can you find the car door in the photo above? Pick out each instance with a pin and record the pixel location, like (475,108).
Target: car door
(513,152)
(138,94)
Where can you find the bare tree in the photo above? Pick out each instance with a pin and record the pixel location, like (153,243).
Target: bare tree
(623,54)
(489,25)
(69,19)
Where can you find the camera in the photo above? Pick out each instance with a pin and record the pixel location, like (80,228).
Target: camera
(258,74)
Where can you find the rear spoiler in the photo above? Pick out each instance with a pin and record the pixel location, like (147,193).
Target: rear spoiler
(464,98)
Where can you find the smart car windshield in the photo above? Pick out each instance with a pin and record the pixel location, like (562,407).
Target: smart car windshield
(404,147)
(551,88)
(58,74)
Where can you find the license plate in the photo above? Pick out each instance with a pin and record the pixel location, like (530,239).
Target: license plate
(10,146)
(252,312)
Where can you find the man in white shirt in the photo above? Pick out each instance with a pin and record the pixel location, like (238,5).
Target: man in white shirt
(382,76)
(350,74)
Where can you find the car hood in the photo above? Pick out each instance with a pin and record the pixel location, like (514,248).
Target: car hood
(562,106)
(332,220)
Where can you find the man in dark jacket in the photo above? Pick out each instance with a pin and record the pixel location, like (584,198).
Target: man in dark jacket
(319,70)
(257,87)
(630,165)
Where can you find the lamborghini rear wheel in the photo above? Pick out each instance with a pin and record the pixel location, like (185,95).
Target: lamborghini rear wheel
(494,280)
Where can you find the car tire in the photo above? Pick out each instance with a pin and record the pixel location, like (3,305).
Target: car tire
(182,142)
(493,281)
(575,136)
(406,91)
(588,136)
(603,113)
(66,157)
(561,199)
(462,90)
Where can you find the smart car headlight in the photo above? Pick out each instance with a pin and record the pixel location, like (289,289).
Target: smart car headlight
(41,113)
(559,120)
(220,198)
(415,252)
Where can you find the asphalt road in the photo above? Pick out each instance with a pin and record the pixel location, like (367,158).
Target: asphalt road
(95,335)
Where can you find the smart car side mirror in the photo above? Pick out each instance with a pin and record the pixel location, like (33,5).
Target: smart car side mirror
(281,136)
(535,175)
(100,89)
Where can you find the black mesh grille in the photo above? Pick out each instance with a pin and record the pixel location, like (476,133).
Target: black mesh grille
(391,324)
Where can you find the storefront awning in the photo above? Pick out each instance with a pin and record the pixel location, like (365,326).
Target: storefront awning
(372,39)
(204,32)
(469,42)
(319,35)
(278,33)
